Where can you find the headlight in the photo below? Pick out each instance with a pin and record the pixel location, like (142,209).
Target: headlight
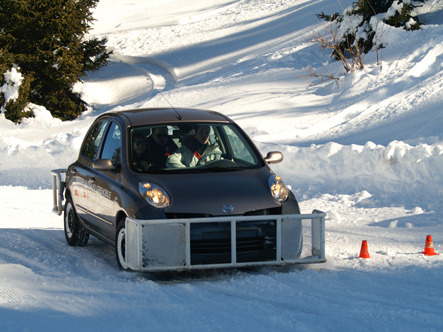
(278,189)
(154,195)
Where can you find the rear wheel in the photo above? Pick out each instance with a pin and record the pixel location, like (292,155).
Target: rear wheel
(120,245)
(75,234)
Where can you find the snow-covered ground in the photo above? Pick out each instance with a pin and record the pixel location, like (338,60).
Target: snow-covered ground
(367,150)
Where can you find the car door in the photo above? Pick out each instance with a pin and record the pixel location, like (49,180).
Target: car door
(82,170)
(103,201)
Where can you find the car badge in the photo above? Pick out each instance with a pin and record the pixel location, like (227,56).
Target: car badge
(227,208)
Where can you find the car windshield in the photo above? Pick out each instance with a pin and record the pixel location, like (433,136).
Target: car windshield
(191,147)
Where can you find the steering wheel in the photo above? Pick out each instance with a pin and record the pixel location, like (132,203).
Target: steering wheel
(209,157)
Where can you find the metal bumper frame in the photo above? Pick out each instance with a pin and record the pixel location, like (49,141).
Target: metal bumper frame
(161,245)
(58,187)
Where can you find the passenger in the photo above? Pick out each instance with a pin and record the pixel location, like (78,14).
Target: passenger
(139,158)
(160,147)
(194,149)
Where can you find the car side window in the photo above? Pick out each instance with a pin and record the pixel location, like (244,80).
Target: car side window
(112,146)
(92,142)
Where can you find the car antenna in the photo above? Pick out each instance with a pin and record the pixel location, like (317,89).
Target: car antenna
(176,112)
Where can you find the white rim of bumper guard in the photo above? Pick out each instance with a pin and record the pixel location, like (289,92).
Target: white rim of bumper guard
(58,187)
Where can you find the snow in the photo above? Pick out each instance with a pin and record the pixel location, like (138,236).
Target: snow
(13,80)
(367,149)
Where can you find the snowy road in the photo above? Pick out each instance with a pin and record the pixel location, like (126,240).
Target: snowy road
(57,286)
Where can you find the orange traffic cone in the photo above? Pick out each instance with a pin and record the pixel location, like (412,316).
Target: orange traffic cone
(364,252)
(429,247)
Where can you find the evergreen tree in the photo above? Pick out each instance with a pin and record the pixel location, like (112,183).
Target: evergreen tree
(46,40)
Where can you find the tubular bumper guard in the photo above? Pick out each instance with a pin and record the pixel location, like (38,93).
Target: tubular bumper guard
(58,187)
(161,245)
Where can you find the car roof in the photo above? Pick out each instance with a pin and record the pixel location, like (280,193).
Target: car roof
(136,117)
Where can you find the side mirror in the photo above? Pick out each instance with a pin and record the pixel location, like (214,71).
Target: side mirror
(103,165)
(273,157)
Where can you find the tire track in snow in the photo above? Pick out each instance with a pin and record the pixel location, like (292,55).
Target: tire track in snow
(12,297)
(159,74)
(127,81)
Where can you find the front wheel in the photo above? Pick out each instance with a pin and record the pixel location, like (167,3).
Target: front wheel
(120,245)
(75,234)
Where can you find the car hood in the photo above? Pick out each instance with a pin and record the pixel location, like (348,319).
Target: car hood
(215,193)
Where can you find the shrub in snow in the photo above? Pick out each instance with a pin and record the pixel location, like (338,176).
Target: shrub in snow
(14,92)
(46,39)
(355,29)
(399,14)
(11,84)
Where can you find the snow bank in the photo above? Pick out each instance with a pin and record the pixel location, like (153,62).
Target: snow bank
(394,175)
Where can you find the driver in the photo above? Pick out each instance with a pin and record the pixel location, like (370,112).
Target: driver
(194,149)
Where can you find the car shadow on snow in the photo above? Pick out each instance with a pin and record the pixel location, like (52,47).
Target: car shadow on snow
(191,276)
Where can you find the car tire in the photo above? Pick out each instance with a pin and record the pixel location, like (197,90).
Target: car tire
(75,234)
(120,245)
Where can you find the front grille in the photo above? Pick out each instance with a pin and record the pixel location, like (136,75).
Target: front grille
(211,243)
(224,245)
(270,211)
(187,215)
(211,246)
